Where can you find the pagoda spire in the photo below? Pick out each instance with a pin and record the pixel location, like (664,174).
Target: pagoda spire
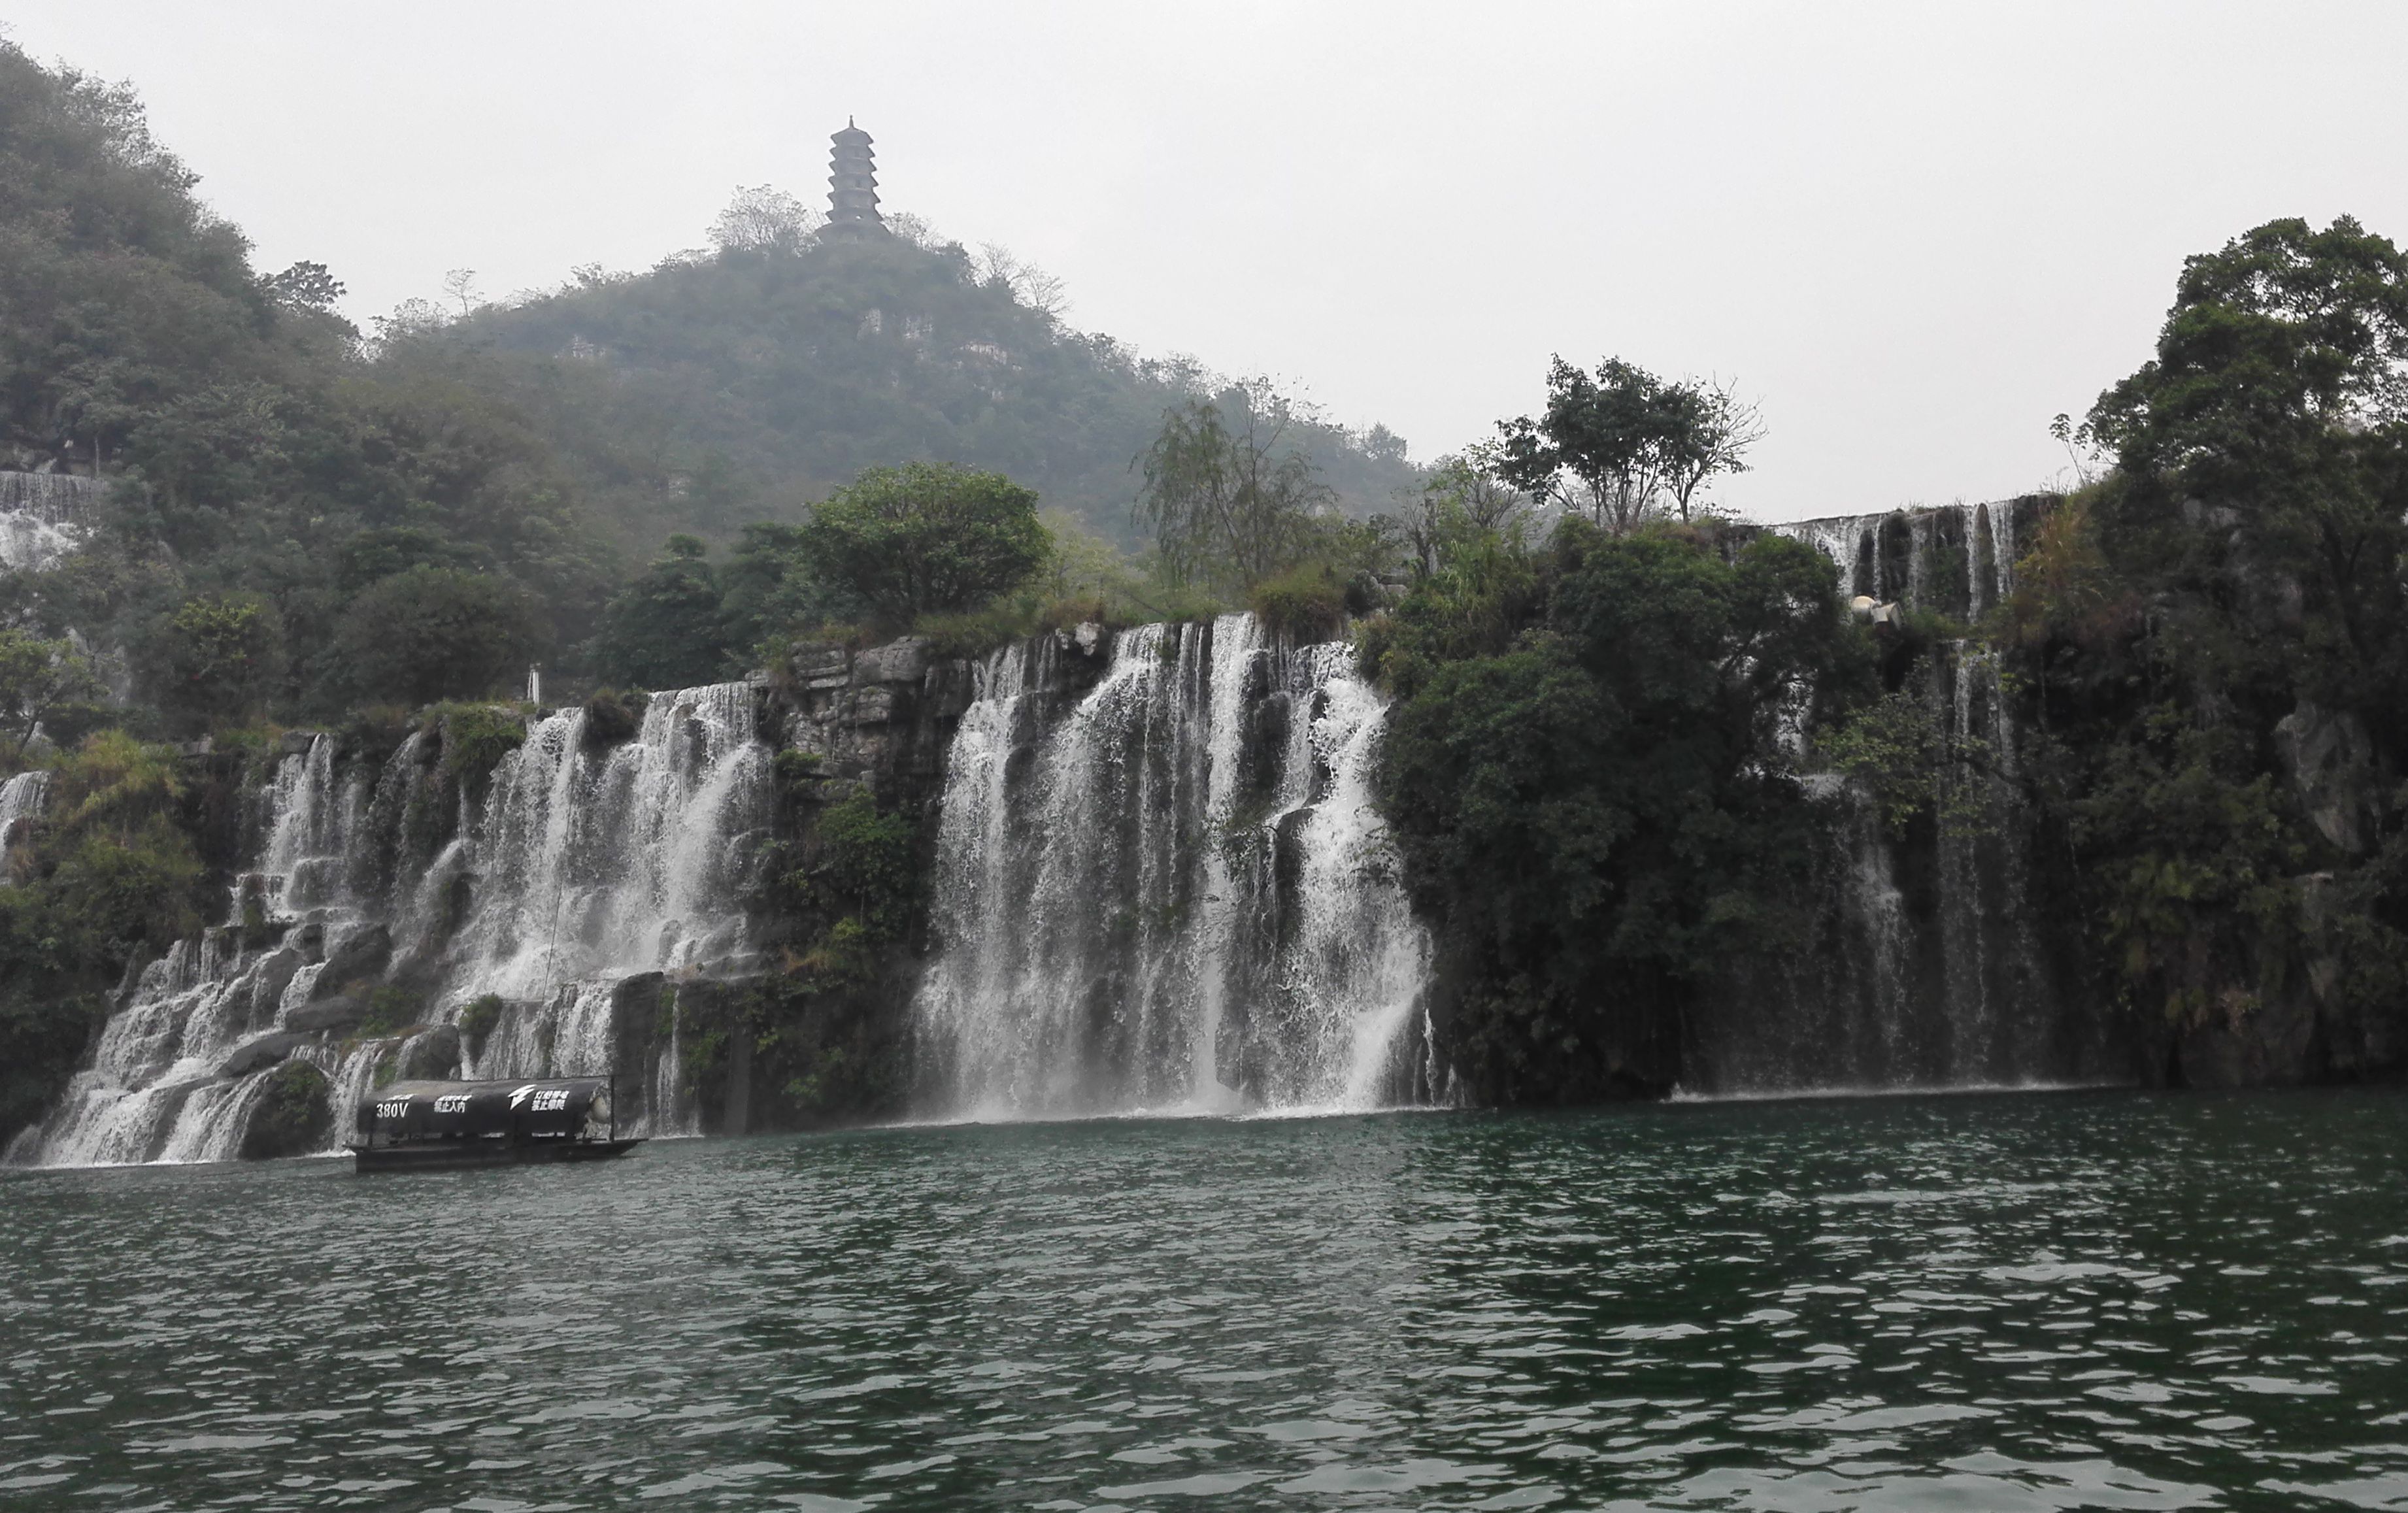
(852,184)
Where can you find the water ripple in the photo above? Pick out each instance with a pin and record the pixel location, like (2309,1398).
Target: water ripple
(2073,1301)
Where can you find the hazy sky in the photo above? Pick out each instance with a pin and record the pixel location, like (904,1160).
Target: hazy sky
(1915,232)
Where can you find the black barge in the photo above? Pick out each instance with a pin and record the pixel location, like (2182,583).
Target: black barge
(429,1126)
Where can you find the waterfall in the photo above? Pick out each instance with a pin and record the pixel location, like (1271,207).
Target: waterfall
(1920,963)
(43,516)
(1958,560)
(21,805)
(378,885)
(600,865)
(1173,894)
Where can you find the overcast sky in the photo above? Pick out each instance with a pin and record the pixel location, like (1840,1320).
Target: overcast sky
(1913,231)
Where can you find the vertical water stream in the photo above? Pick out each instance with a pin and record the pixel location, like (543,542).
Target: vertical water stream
(1173,894)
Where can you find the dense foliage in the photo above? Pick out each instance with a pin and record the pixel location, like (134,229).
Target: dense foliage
(1625,446)
(110,875)
(923,540)
(2217,636)
(1589,784)
(271,480)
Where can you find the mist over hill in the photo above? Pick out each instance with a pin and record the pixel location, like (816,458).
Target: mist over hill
(737,384)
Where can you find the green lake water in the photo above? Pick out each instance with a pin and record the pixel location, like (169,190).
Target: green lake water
(2025,1302)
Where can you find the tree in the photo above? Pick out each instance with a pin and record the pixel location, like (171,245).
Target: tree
(1707,432)
(1002,268)
(460,288)
(763,218)
(1597,449)
(1461,494)
(216,660)
(2228,598)
(1229,500)
(39,679)
(1625,445)
(306,286)
(667,629)
(436,633)
(926,538)
(2278,406)
(1596,806)
(770,585)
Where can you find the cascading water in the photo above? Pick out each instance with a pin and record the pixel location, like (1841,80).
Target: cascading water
(582,869)
(21,805)
(43,515)
(1959,559)
(1175,894)
(1923,964)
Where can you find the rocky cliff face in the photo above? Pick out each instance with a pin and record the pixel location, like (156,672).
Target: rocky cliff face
(1953,953)
(1931,954)
(824,1034)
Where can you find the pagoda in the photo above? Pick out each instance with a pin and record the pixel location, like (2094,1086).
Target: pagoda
(852,185)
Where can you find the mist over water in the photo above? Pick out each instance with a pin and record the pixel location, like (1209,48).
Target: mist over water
(2032,1302)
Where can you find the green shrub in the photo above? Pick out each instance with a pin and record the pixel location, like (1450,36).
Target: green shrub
(477,1019)
(475,737)
(391,1009)
(1304,604)
(612,718)
(795,767)
(974,633)
(864,867)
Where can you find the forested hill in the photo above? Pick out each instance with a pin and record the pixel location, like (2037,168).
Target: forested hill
(303,518)
(732,386)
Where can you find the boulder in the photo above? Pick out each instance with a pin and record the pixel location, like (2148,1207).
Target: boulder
(2330,761)
(361,954)
(293,1117)
(259,1052)
(344,1011)
(432,1055)
(873,707)
(897,661)
(821,667)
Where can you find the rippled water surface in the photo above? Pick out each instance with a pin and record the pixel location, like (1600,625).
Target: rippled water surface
(2036,1302)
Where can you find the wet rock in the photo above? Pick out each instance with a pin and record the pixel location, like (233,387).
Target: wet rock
(950,689)
(267,984)
(361,954)
(260,1050)
(2330,759)
(344,1011)
(293,1117)
(2251,1042)
(432,1055)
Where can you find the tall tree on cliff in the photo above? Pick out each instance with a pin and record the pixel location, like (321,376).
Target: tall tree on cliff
(1623,446)
(2235,717)
(1229,494)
